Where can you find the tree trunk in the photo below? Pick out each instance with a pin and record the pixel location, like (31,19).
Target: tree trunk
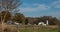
(3,20)
(2,26)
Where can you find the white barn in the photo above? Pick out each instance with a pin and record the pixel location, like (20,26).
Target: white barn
(42,23)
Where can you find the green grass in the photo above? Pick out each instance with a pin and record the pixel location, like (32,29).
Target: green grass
(38,29)
(54,30)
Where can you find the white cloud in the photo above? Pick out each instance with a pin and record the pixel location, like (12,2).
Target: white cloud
(43,7)
(39,7)
(56,4)
(27,9)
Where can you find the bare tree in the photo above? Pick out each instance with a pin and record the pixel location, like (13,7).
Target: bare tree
(8,5)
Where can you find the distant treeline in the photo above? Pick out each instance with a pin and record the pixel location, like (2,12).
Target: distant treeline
(20,18)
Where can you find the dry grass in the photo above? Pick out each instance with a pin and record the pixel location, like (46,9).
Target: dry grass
(8,28)
(35,28)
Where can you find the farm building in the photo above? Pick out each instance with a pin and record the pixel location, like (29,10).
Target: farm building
(42,23)
(32,21)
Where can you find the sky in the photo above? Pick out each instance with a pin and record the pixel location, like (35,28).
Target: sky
(37,8)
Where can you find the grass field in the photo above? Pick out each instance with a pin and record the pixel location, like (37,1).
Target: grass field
(39,29)
(34,28)
(54,30)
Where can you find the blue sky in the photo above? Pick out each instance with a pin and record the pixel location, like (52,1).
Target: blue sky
(37,8)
